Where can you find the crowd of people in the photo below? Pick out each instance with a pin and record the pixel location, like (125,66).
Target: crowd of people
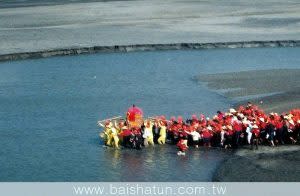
(248,125)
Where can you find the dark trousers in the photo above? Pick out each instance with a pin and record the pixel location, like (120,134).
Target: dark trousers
(237,136)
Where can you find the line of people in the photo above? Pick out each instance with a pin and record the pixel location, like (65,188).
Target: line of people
(248,125)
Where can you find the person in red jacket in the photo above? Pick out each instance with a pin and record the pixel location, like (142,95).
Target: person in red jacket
(220,115)
(207,135)
(202,120)
(182,144)
(180,120)
(126,135)
(237,129)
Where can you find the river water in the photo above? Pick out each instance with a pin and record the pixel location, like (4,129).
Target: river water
(49,108)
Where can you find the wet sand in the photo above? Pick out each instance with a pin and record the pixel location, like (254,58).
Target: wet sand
(275,90)
(279,164)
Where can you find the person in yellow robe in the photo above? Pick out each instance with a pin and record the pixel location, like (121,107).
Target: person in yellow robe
(162,132)
(148,134)
(110,134)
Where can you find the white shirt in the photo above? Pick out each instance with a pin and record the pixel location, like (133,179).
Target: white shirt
(148,131)
(195,135)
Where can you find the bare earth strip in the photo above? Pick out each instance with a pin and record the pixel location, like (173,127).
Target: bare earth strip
(72,25)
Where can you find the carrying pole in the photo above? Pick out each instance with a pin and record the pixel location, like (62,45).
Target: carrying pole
(113,118)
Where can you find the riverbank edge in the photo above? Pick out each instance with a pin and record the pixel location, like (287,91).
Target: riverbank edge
(226,170)
(146,47)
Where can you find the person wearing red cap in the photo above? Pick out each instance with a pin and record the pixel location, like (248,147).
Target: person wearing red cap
(126,134)
(180,120)
(182,146)
(173,119)
(172,131)
(207,135)
(220,115)
(182,143)
(279,130)
(194,119)
(248,111)
(237,129)
(202,120)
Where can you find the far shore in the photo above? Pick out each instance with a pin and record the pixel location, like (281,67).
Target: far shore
(142,22)
(148,47)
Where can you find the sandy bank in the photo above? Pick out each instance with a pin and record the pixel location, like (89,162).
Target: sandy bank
(119,23)
(278,89)
(279,164)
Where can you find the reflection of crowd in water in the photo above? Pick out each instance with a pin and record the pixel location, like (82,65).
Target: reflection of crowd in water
(249,125)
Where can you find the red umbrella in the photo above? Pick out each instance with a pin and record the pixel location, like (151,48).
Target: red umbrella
(135,116)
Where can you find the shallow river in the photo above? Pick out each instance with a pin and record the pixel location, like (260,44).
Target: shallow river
(49,108)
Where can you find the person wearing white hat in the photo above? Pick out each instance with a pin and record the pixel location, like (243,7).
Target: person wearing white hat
(232,111)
